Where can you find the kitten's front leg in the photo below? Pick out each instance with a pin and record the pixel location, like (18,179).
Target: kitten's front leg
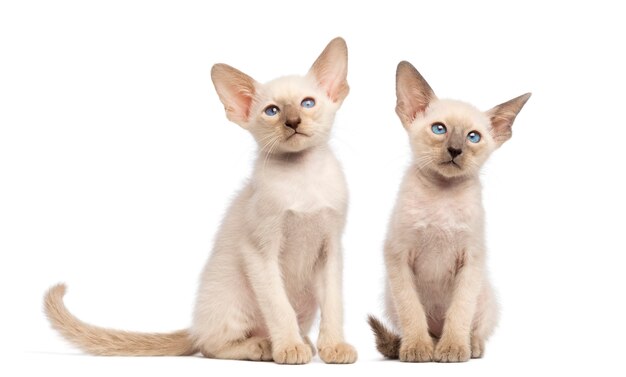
(454,345)
(330,344)
(416,344)
(263,269)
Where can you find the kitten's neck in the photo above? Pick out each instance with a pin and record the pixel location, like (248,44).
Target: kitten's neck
(293,158)
(432,179)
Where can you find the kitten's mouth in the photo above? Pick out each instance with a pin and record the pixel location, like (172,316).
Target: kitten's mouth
(451,162)
(297,133)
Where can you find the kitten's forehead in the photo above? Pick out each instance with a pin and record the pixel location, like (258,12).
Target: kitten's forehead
(289,87)
(457,113)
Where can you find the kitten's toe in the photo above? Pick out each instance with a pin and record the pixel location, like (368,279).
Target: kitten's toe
(451,351)
(416,351)
(478,348)
(341,353)
(297,353)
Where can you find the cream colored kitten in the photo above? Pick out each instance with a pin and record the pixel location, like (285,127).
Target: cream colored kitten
(277,256)
(437,286)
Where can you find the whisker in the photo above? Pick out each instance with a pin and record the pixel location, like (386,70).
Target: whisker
(273,144)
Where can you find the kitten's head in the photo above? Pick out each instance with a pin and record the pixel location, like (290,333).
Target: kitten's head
(289,114)
(450,138)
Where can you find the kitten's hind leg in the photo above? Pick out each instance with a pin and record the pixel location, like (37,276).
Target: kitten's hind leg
(307,309)
(478,347)
(484,321)
(254,348)
(227,323)
(308,341)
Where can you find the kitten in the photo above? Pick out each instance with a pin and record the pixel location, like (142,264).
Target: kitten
(437,286)
(277,256)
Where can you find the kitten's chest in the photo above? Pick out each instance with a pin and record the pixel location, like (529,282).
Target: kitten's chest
(312,191)
(444,229)
(443,214)
(307,188)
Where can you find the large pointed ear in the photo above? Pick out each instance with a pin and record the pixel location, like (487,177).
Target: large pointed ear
(330,70)
(236,91)
(502,117)
(413,94)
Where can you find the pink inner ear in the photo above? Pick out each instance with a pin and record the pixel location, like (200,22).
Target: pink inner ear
(244,102)
(411,101)
(500,129)
(329,90)
(237,102)
(236,91)
(331,68)
(336,90)
(335,86)
(503,116)
(413,93)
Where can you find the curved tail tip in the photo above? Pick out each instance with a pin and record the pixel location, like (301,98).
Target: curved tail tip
(374,323)
(54,297)
(57,290)
(387,342)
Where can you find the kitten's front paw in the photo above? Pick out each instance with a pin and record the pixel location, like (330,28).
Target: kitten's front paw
(452,351)
(340,353)
(420,350)
(295,353)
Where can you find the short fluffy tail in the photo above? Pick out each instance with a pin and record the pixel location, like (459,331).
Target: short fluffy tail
(387,342)
(105,342)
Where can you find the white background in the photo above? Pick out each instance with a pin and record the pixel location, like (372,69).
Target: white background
(117,163)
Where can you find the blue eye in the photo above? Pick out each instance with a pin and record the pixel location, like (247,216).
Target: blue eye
(271,110)
(439,129)
(308,103)
(473,137)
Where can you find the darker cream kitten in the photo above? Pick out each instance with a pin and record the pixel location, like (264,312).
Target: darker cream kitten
(438,295)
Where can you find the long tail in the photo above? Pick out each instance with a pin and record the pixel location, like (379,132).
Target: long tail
(106,342)
(387,342)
